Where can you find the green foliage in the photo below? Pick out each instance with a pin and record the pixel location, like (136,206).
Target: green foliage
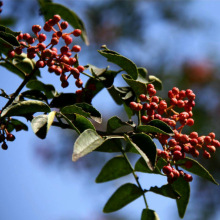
(122,196)
(148,214)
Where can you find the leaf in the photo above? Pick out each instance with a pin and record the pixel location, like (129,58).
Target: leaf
(162,126)
(115,123)
(72,109)
(17,125)
(41,124)
(25,107)
(94,114)
(141,166)
(150,129)
(87,142)
(48,89)
(126,64)
(8,30)
(197,169)
(82,123)
(34,94)
(113,169)
(146,148)
(8,40)
(122,196)
(115,95)
(63,99)
(148,214)
(156,82)
(183,188)
(50,9)
(110,145)
(143,75)
(165,190)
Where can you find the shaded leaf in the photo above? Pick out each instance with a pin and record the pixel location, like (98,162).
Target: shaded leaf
(63,99)
(125,63)
(115,95)
(34,94)
(71,109)
(8,30)
(150,129)
(162,126)
(48,89)
(87,142)
(146,148)
(156,82)
(17,125)
(49,9)
(148,214)
(122,196)
(110,145)
(117,125)
(166,190)
(183,188)
(141,166)
(113,169)
(94,114)
(197,169)
(25,107)
(41,124)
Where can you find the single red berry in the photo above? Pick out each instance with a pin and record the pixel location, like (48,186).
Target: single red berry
(4,146)
(80,68)
(40,64)
(170,94)
(72,61)
(208,139)
(75,72)
(47,27)
(42,38)
(36,28)
(52,69)
(64,49)
(173,101)
(177,155)
(211,148)
(212,135)
(150,86)
(79,83)
(188,164)
(63,78)
(155,99)
(190,122)
(64,25)
(187,177)
(41,46)
(31,55)
(142,97)
(18,50)
(77,32)
(180,103)
(153,106)
(11,54)
(56,18)
(162,104)
(20,37)
(206,154)
(10,137)
(68,40)
(64,84)
(54,41)
(216,143)
(175,90)
(76,48)
(133,105)
(193,135)
(152,91)
(167,169)
(26,36)
(144,119)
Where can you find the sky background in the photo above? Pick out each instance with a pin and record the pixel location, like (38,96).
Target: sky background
(32,188)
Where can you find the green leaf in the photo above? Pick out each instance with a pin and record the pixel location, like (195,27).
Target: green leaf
(41,124)
(8,30)
(197,169)
(126,64)
(87,142)
(113,169)
(162,126)
(148,214)
(146,148)
(183,188)
(166,190)
(122,196)
(9,39)
(63,99)
(110,145)
(115,124)
(34,94)
(82,123)
(48,89)
(137,86)
(94,114)
(150,129)
(143,75)
(72,109)
(25,107)
(115,95)
(141,166)
(50,9)
(17,125)
(156,82)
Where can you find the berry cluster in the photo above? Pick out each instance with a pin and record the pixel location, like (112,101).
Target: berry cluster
(61,62)
(4,134)
(175,147)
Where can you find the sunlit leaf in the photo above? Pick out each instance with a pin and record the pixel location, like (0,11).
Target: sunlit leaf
(148,214)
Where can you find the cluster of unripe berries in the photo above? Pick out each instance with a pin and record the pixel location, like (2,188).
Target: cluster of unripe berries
(59,61)
(5,135)
(176,146)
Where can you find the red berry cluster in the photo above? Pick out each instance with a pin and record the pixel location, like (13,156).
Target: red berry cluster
(61,62)
(175,147)
(5,135)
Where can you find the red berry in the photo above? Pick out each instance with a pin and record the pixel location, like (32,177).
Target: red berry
(175,90)
(41,46)
(64,49)
(76,48)
(150,86)
(206,154)
(208,139)
(40,64)
(4,146)
(155,99)
(212,135)
(68,40)
(193,135)
(47,27)
(133,105)
(54,41)
(10,137)
(188,177)
(11,54)
(80,68)
(18,50)
(144,119)
(72,61)
(75,72)
(162,104)
(188,164)
(167,169)
(211,148)
(56,18)
(79,83)
(64,25)
(36,28)
(142,97)
(42,38)
(64,84)
(77,32)
(152,91)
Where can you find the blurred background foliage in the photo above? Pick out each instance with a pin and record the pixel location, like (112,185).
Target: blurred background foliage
(174,41)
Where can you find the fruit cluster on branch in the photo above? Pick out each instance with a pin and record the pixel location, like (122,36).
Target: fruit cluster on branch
(178,115)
